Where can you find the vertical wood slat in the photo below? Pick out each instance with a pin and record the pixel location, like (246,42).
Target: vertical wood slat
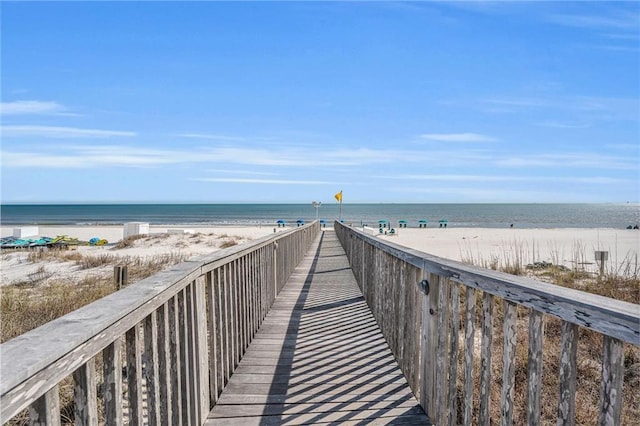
(192,355)
(175,366)
(45,411)
(202,349)
(151,368)
(442,369)
(212,334)
(183,355)
(428,351)
(228,331)
(612,377)
(508,362)
(469,340)
(534,374)
(220,334)
(453,356)
(485,358)
(134,375)
(164,363)
(84,394)
(568,370)
(112,382)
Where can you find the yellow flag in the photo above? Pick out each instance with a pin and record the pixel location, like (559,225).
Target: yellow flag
(339,196)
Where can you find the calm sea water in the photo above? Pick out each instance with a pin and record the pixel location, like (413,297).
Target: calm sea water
(461,215)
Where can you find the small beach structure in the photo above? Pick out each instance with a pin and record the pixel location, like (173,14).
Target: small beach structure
(443,223)
(25,231)
(402,224)
(422,223)
(299,222)
(135,228)
(323,223)
(280,223)
(383,223)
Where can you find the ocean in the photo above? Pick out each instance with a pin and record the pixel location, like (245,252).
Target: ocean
(460,215)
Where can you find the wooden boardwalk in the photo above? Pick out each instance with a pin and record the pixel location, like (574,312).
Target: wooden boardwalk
(319,356)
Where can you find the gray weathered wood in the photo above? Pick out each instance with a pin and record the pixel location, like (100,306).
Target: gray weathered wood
(45,411)
(453,357)
(134,376)
(508,362)
(429,348)
(485,358)
(469,340)
(611,317)
(201,347)
(568,372)
(164,362)
(151,368)
(112,382)
(611,386)
(183,356)
(175,366)
(84,394)
(442,358)
(534,372)
(60,347)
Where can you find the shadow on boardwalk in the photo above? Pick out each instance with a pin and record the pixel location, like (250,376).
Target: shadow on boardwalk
(319,356)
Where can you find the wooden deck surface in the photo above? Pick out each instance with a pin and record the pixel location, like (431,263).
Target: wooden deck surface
(319,356)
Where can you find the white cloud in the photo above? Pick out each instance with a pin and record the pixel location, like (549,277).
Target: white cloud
(212,137)
(265,181)
(32,107)
(506,178)
(458,137)
(61,132)
(585,160)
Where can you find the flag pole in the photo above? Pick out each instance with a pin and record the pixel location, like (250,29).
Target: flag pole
(340,217)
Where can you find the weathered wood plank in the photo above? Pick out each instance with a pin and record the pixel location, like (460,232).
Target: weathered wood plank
(454,326)
(469,340)
(84,394)
(164,363)
(46,410)
(485,358)
(151,371)
(534,371)
(175,365)
(442,357)
(568,372)
(134,376)
(612,378)
(112,382)
(508,362)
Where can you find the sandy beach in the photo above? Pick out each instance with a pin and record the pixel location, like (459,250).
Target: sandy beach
(571,247)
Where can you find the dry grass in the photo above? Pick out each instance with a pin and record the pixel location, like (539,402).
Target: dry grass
(621,284)
(30,304)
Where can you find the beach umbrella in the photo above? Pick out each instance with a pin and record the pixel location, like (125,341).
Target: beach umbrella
(402,221)
(323,221)
(443,221)
(382,221)
(280,221)
(299,221)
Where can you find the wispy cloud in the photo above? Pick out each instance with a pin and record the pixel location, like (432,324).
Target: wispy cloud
(33,108)
(61,132)
(214,137)
(615,20)
(604,180)
(559,125)
(241,172)
(124,156)
(265,181)
(579,160)
(457,137)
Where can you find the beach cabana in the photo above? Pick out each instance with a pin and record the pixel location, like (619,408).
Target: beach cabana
(323,223)
(299,222)
(402,224)
(280,223)
(443,222)
(422,223)
(382,223)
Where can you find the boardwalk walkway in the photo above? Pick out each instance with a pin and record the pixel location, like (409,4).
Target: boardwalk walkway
(319,356)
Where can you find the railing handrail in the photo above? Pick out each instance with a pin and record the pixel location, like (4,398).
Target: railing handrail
(605,315)
(26,355)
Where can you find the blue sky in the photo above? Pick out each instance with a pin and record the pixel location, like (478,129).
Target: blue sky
(294,101)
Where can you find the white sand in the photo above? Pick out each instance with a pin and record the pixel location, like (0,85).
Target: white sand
(15,267)
(570,247)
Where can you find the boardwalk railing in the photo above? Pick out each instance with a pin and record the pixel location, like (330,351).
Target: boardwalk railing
(158,351)
(415,298)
